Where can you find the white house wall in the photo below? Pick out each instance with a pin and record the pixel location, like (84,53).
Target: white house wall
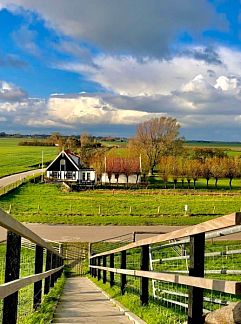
(122,179)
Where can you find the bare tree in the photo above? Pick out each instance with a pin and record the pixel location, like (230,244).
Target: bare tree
(232,169)
(217,166)
(195,171)
(157,137)
(165,169)
(206,170)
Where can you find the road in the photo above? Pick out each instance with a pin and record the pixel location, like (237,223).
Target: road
(6,181)
(74,233)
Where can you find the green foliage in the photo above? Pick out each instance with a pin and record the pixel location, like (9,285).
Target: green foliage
(44,314)
(16,158)
(46,203)
(151,314)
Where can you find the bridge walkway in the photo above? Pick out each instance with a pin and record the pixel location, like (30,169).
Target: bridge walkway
(83,302)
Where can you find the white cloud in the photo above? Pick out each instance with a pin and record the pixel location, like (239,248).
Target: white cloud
(87,109)
(10,92)
(227,83)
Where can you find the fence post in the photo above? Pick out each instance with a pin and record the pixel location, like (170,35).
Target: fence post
(196,269)
(112,265)
(123,276)
(104,271)
(144,295)
(98,271)
(38,269)
(48,267)
(12,268)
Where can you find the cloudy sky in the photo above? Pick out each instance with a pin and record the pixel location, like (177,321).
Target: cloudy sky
(103,66)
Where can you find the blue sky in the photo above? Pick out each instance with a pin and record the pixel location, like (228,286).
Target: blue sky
(103,66)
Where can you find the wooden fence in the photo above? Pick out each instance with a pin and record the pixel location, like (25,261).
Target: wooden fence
(195,280)
(53,267)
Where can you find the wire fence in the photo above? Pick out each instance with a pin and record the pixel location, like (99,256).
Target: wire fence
(222,261)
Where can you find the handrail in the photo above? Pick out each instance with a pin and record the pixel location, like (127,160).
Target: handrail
(195,280)
(208,226)
(230,287)
(15,285)
(14,243)
(11,224)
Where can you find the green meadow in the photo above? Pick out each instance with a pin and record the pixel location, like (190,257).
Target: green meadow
(48,203)
(15,158)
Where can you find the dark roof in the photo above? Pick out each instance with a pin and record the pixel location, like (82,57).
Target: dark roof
(73,159)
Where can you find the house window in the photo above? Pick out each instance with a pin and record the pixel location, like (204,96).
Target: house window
(62,165)
(88,176)
(83,176)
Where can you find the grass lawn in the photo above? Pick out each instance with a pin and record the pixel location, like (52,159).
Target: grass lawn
(16,158)
(47,203)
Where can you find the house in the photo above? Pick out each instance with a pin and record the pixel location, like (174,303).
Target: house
(120,170)
(68,167)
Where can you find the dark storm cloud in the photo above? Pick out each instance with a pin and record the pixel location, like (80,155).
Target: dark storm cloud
(206,54)
(137,27)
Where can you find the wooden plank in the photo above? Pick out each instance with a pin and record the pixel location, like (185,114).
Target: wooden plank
(12,269)
(211,225)
(13,286)
(12,225)
(226,286)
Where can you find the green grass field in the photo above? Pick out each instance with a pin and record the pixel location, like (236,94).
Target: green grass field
(16,158)
(47,203)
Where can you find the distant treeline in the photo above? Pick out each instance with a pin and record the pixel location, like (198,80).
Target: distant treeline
(35,143)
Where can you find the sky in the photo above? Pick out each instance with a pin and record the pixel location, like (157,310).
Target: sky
(104,66)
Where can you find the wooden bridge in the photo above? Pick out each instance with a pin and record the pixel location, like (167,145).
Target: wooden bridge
(141,262)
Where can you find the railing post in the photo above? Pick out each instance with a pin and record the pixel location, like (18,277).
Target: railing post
(104,271)
(123,276)
(48,267)
(112,265)
(95,263)
(196,269)
(38,269)
(12,268)
(53,276)
(99,271)
(91,269)
(144,294)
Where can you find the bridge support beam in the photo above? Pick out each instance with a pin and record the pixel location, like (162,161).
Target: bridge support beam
(99,271)
(196,269)
(144,294)
(112,265)
(38,269)
(123,276)
(104,271)
(12,268)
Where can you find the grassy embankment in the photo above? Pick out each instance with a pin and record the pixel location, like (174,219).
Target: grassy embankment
(46,203)
(15,158)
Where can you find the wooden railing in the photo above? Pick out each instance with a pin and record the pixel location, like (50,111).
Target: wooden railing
(193,235)
(53,267)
